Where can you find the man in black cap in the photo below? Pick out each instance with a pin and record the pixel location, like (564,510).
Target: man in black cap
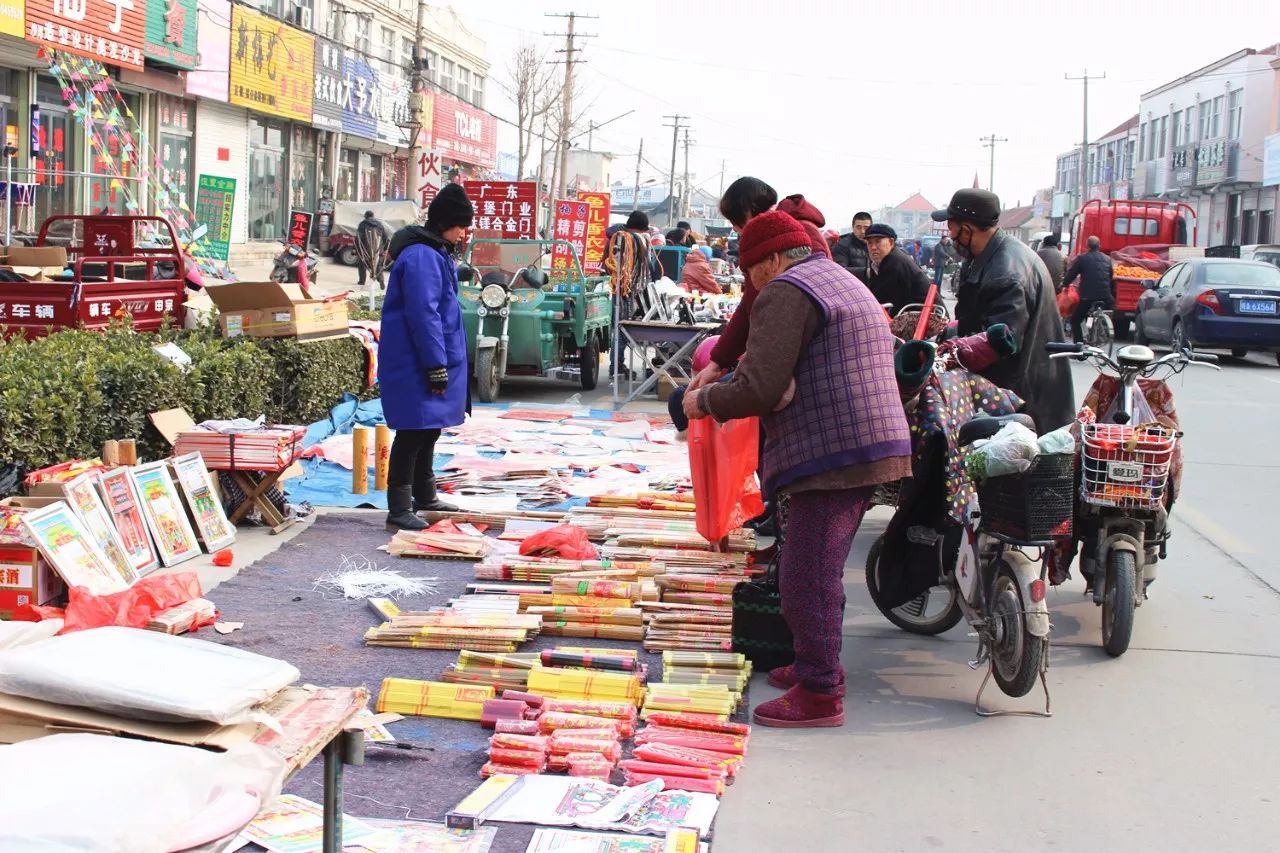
(1002,281)
(894,277)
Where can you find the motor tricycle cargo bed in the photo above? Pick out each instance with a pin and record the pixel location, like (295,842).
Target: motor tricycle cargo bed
(34,308)
(539,319)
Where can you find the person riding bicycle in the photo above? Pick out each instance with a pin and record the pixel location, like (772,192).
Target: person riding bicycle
(1097,285)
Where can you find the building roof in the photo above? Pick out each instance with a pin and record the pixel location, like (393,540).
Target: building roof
(916,204)
(1122,129)
(1016,217)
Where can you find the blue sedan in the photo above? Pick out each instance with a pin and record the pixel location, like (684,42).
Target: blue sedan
(1219,303)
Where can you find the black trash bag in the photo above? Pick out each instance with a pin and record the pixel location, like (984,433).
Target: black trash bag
(11,476)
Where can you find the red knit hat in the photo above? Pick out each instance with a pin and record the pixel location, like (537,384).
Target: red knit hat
(801,208)
(768,234)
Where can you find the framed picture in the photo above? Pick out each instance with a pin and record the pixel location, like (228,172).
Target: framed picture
(82,494)
(63,540)
(125,508)
(162,508)
(211,522)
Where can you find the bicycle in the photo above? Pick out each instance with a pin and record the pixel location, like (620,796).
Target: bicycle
(1099,331)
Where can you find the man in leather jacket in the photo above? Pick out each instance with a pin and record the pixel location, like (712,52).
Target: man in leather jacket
(1002,281)
(850,251)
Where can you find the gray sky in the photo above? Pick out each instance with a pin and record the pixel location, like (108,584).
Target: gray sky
(858,105)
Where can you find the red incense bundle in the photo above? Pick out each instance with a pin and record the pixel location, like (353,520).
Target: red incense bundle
(590,765)
(699,722)
(516,727)
(665,754)
(529,743)
(566,746)
(494,769)
(500,709)
(518,758)
(678,783)
(674,737)
(531,699)
(623,712)
(550,721)
(654,769)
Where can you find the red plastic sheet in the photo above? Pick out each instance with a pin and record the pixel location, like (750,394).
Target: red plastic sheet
(563,540)
(1068,300)
(722,462)
(130,608)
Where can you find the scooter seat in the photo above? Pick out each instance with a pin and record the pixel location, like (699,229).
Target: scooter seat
(986,426)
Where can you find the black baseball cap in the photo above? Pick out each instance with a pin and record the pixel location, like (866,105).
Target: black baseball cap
(980,207)
(880,230)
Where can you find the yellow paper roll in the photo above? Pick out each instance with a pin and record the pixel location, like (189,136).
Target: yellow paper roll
(382,456)
(360,460)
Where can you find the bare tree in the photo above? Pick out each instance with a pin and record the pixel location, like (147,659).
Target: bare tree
(530,86)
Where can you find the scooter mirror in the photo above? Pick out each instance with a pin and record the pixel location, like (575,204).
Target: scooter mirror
(534,276)
(466,272)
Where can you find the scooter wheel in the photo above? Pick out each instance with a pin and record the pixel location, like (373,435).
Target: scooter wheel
(1118,603)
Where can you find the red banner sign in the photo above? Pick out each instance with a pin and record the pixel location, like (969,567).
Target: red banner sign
(463,133)
(597,224)
(506,209)
(110,31)
(571,225)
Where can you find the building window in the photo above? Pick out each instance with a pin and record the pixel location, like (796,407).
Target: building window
(302,179)
(1235,114)
(1247,225)
(477,90)
(433,67)
(1264,226)
(266,195)
(406,53)
(446,75)
(363,27)
(1177,129)
(1205,108)
(464,84)
(1161,135)
(177,126)
(1216,126)
(388,44)
(1143,151)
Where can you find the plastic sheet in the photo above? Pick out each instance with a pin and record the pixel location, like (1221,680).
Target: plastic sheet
(1010,451)
(563,540)
(145,675)
(130,608)
(1068,301)
(722,463)
(101,794)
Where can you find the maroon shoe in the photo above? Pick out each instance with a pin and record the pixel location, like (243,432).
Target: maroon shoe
(801,709)
(784,678)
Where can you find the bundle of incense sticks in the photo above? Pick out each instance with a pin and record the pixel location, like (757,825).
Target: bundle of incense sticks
(594,631)
(628,590)
(432,699)
(677,560)
(691,541)
(566,742)
(452,546)
(445,629)
(501,671)
(675,776)
(516,754)
(623,713)
(714,699)
(677,626)
(544,569)
(573,600)
(586,684)
(699,583)
(611,663)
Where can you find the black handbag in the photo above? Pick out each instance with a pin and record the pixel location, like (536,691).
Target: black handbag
(759,629)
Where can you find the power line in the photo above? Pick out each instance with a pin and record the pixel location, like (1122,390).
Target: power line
(1084,147)
(990,142)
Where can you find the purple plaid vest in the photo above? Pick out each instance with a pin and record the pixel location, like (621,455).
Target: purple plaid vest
(846,409)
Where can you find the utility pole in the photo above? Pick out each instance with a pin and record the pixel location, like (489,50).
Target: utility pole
(721,179)
(990,142)
(671,183)
(635,197)
(571,59)
(1084,145)
(591,133)
(684,195)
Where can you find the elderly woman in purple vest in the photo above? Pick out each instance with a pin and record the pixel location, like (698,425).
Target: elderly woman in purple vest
(844,433)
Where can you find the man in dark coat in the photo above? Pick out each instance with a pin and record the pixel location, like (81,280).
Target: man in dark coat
(942,255)
(850,250)
(894,278)
(1002,281)
(371,249)
(422,359)
(1097,284)
(1053,260)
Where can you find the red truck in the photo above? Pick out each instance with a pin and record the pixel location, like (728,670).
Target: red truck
(115,265)
(1122,225)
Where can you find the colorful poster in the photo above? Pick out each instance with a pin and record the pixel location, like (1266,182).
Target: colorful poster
(162,507)
(597,224)
(171,32)
(272,65)
(60,535)
(213,41)
(84,499)
(110,31)
(570,231)
(206,509)
(215,203)
(122,502)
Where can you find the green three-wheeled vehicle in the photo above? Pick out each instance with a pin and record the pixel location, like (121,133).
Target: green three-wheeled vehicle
(523,321)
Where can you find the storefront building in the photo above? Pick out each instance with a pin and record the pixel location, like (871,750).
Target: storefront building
(466,137)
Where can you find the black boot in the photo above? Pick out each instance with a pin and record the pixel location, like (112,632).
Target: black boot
(425,500)
(399,510)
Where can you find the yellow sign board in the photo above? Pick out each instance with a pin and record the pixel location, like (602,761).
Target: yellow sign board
(272,65)
(13,18)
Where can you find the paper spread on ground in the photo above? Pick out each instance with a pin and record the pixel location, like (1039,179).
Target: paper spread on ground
(590,804)
(295,825)
(578,841)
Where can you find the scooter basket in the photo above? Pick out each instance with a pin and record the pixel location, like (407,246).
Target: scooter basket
(1032,506)
(1125,466)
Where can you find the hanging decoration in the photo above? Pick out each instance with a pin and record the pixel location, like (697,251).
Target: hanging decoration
(117,138)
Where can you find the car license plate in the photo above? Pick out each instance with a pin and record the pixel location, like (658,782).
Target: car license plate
(1257,306)
(1124,472)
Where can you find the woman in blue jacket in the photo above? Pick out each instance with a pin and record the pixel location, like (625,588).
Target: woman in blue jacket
(422,356)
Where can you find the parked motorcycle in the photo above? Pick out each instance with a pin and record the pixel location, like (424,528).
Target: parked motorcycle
(1126,491)
(288,266)
(495,302)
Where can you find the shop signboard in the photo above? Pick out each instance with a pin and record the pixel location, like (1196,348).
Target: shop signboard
(1271,161)
(464,133)
(213,49)
(272,65)
(300,228)
(215,204)
(597,224)
(326,108)
(13,18)
(392,107)
(110,31)
(359,97)
(1214,161)
(1182,167)
(171,32)
(426,177)
(571,226)
(506,209)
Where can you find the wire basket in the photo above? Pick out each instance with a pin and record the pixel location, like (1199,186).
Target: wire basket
(1125,466)
(1032,506)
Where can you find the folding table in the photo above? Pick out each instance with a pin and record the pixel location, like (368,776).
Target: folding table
(647,337)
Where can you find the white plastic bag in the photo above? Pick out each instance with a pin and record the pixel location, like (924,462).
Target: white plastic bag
(1060,441)
(14,634)
(145,675)
(100,794)
(1010,451)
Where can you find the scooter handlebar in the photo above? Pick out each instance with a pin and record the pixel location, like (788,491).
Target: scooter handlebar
(1064,348)
(1202,357)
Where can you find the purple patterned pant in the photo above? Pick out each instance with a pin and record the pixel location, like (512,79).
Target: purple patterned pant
(819,532)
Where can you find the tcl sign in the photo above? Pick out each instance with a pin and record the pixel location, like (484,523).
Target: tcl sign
(464,133)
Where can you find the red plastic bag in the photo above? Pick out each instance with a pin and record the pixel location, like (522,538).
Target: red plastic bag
(563,540)
(722,461)
(1068,301)
(131,608)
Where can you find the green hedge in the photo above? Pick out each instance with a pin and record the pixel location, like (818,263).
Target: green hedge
(61,396)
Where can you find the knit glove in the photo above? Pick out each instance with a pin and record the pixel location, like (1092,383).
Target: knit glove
(438,380)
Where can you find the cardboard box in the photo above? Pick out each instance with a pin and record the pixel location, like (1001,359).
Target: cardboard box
(274,310)
(25,576)
(667,387)
(44,257)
